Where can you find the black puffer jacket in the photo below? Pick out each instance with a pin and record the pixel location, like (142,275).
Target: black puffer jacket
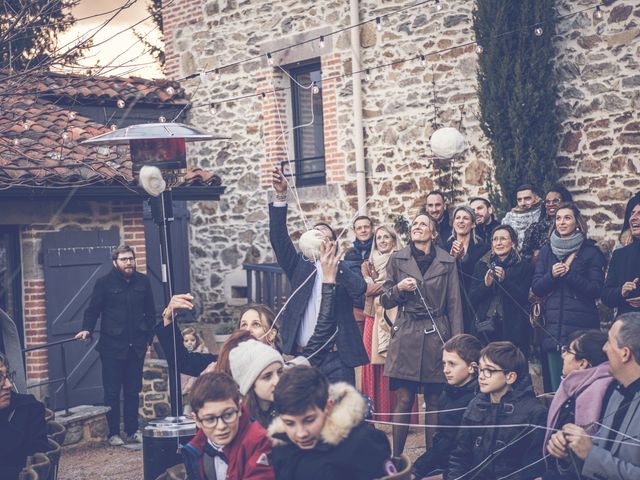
(490,453)
(570,301)
(455,400)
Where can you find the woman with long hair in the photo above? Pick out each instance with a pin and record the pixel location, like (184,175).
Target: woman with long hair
(569,276)
(378,320)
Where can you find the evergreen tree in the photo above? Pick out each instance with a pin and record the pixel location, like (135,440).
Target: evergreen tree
(29,32)
(517,91)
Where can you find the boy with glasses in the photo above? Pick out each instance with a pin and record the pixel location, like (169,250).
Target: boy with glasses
(498,436)
(23,430)
(229,444)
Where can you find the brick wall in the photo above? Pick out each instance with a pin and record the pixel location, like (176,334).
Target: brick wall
(91,216)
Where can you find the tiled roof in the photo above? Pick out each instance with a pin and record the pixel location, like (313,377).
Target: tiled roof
(40,133)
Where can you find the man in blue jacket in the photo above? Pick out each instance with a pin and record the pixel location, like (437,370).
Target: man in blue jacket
(300,317)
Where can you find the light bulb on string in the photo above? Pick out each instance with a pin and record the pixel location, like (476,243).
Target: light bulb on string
(65,135)
(114,127)
(269,58)
(438,5)
(170,90)
(378,23)
(321,41)
(120,103)
(263,95)
(72,115)
(538,31)
(367,74)
(423,59)
(315,89)
(479,49)
(598,13)
(162,119)
(26,124)
(16,142)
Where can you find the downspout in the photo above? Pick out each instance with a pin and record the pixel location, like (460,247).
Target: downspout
(358,135)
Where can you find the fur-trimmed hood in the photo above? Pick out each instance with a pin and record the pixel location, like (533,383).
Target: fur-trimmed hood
(348,411)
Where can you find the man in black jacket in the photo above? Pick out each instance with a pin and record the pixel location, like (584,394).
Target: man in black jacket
(300,317)
(23,430)
(622,286)
(436,208)
(124,302)
(485,221)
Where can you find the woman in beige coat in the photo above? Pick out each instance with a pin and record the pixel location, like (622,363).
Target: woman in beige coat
(422,281)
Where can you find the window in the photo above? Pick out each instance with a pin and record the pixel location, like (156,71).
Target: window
(308,133)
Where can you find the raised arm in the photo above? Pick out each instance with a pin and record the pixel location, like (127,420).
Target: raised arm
(285,251)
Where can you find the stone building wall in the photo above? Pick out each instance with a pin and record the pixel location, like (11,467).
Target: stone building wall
(599,95)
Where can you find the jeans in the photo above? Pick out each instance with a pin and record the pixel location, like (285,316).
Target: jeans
(122,375)
(336,370)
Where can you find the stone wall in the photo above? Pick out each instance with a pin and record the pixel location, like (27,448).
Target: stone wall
(599,95)
(154,400)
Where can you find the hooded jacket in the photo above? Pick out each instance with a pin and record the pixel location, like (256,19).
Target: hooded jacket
(490,453)
(23,432)
(249,453)
(570,301)
(348,449)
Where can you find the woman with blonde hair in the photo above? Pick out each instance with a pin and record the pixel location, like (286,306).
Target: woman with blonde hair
(378,320)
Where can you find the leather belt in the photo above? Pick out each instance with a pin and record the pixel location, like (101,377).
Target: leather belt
(300,350)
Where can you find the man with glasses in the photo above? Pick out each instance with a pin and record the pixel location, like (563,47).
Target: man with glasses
(537,235)
(123,301)
(229,443)
(23,430)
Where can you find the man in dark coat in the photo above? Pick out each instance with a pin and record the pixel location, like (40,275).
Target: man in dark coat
(622,286)
(436,208)
(363,228)
(300,316)
(485,220)
(124,302)
(23,430)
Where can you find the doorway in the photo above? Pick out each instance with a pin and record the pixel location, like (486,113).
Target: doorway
(11,276)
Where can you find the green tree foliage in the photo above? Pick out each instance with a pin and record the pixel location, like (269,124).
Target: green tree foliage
(29,32)
(517,91)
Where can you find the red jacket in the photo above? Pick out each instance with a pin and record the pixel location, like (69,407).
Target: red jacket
(249,453)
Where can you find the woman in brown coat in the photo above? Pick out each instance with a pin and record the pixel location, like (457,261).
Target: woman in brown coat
(422,280)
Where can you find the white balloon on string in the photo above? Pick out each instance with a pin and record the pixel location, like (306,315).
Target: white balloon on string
(447,142)
(152,181)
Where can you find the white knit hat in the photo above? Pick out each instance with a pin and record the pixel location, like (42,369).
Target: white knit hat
(248,360)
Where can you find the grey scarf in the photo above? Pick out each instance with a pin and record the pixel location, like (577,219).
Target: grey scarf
(563,247)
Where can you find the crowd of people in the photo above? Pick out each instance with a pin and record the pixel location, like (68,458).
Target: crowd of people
(456,312)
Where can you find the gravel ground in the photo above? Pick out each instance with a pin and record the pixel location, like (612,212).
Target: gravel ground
(119,463)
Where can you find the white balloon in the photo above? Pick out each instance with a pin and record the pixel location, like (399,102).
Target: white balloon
(309,244)
(447,142)
(152,181)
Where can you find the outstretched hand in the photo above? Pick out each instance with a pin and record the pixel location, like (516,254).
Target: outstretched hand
(328,261)
(182,301)
(278,181)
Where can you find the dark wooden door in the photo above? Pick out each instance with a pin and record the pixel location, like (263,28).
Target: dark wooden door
(180,253)
(73,261)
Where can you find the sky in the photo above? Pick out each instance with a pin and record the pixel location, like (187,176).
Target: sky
(124,52)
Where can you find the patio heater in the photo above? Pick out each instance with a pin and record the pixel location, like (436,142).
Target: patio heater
(158,154)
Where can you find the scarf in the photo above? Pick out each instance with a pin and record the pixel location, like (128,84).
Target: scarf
(424,260)
(509,261)
(588,388)
(563,247)
(363,248)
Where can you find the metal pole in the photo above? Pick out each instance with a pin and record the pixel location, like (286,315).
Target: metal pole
(65,385)
(162,212)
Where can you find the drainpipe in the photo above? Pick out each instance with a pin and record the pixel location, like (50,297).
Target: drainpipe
(358,136)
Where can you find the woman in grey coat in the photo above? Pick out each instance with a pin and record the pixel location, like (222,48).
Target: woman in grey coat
(422,280)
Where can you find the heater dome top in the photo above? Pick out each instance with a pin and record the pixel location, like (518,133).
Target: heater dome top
(152,131)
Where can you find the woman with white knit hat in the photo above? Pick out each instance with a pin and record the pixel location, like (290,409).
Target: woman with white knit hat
(256,368)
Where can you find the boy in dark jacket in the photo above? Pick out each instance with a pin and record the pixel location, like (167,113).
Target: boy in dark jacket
(460,356)
(320,432)
(506,398)
(229,445)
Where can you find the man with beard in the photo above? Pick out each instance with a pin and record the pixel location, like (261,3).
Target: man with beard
(124,302)
(526,212)
(485,221)
(436,208)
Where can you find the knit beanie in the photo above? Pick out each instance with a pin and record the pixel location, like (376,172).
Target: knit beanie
(248,360)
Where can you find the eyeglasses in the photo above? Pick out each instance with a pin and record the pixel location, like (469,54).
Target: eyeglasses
(212,420)
(487,372)
(127,259)
(567,349)
(552,201)
(10,376)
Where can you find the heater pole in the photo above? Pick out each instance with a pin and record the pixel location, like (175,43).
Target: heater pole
(162,213)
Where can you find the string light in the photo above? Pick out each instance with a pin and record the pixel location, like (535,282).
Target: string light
(72,115)
(26,124)
(270,58)
(120,103)
(162,119)
(423,59)
(378,23)
(315,89)
(598,13)
(321,41)
(16,142)
(65,135)
(263,95)
(438,5)
(367,74)
(479,49)
(538,31)
(114,127)
(170,90)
